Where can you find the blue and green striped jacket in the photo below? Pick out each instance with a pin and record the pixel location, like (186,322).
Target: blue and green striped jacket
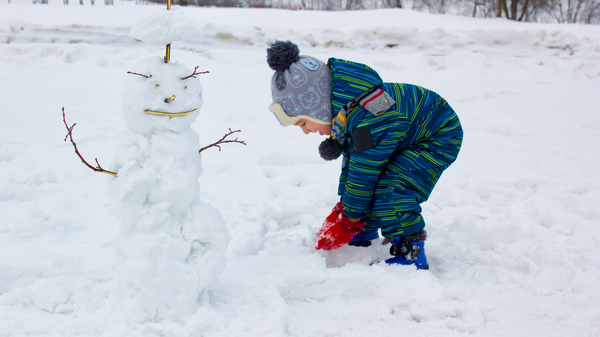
(412,143)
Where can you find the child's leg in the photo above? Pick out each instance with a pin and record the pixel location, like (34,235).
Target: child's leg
(411,188)
(417,168)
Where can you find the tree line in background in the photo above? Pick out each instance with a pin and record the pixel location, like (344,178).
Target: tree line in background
(66,2)
(543,11)
(546,11)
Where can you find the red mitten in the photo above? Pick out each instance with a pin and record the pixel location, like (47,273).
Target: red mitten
(335,213)
(337,230)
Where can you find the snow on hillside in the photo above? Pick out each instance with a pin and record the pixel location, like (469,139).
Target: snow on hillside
(514,238)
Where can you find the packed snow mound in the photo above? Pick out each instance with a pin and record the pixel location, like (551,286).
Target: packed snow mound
(171,246)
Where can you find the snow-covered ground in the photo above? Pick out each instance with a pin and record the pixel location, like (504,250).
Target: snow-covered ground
(514,236)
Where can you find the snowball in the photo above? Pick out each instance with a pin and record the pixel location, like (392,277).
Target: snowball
(160,87)
(164,27)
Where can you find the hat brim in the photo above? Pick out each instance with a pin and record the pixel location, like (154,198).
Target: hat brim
(286,120)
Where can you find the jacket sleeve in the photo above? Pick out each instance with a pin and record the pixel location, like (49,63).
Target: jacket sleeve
(365,166)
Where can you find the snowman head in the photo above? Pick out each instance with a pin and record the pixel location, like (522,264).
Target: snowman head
(161,96)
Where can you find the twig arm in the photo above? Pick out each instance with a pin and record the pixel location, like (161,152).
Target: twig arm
(70,137)
(223,141)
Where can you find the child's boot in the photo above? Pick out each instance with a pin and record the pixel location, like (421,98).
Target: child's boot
(363,239)
(409,250)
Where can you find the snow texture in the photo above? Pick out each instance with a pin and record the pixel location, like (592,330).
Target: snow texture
(513,225)
(164,27)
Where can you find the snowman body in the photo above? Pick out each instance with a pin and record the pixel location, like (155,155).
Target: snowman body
(171,246)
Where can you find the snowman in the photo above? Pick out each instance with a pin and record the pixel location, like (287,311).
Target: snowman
(171,247)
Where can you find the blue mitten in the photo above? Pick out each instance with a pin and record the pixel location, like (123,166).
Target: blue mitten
(363,239)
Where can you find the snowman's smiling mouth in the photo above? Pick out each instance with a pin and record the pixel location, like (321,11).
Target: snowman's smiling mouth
(170,114)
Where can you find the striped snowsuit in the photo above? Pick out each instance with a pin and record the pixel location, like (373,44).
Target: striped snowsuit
(413,142)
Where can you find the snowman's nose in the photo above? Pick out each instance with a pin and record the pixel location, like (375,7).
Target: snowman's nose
(170,99)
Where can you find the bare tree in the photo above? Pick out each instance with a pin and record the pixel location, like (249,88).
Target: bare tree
(394,3)
(591,12)
(568,11)
(512,12)
(432,6)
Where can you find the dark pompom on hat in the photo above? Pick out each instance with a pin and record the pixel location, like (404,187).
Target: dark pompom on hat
(281,55)
(330,149)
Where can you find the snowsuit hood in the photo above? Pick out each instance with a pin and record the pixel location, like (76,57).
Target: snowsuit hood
(348,80)
(352,84)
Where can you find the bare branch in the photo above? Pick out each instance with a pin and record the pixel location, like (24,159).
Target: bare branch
(70,137)
(132,73)
(223,141)
(195,73)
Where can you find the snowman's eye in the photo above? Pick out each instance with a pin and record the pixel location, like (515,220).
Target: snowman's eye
(157,85)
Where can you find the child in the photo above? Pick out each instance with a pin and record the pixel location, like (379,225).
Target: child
(396,140)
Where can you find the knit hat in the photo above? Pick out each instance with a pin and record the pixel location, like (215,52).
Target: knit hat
(301,85)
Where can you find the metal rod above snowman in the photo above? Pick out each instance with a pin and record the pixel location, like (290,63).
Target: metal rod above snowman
(168,52)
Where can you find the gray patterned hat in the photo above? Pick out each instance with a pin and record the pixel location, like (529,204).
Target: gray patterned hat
(301,85)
